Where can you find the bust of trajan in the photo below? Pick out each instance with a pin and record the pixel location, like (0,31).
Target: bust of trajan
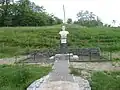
(63,35)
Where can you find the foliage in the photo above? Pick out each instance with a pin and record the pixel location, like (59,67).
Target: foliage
(88,19)
(116,59)
(17,77)
(19,40)
(25,13)
(102,80)
(114,21)
(69,21)
(75,71)
(105,81)
(107,25)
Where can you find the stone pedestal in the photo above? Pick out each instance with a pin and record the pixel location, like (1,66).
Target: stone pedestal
(63,48)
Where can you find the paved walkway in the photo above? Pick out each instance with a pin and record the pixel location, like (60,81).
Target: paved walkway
(60,79)
(61,71)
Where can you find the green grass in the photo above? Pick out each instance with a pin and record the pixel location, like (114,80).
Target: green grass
(102,80)
(19,77)
(106,81)
(75,71)
(19,40)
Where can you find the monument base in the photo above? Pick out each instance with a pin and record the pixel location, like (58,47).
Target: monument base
(67,56)
(63,48)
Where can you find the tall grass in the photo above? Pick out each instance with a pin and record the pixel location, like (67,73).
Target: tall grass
(19,77)
(18,40)
(106,81)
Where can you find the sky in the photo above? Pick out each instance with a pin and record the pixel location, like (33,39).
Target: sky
(107,10)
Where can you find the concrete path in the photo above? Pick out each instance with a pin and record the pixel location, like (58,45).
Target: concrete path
(61,71)
(60,85)
(60,79)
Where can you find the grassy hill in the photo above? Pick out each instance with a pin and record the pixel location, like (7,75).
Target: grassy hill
(18,40)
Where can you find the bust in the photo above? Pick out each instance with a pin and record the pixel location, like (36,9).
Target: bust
(63,34)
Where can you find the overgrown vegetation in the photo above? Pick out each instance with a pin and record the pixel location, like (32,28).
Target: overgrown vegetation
(102,80)
(88,19)
(19,77)
(15,41)
(18,40)
(75,71)
(105,81)
(25,13)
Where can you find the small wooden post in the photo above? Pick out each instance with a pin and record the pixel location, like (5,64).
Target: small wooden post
(80,55)
(15,58)
(34,56)
(90,56)
(69,56)
(111,56)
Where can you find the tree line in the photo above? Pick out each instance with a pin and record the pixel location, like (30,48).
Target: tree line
(25,13)
(86,18)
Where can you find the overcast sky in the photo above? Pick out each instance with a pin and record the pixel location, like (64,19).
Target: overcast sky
(107,10)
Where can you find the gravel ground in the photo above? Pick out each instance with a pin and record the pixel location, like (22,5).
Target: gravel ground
(12,60)
(97,66)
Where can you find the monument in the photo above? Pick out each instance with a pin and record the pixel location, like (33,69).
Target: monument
(63,40)
(63,36)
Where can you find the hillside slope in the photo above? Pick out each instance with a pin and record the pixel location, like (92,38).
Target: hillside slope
(17,40)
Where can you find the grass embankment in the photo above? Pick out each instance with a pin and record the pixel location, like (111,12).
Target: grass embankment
(18,77)
(18,40)
(103,80)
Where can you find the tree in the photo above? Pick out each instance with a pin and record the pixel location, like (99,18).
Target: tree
(99,21)
(109,25)
(69,21)
(89,19)
(4,6)
(25,13)
(58,21)
(114,22)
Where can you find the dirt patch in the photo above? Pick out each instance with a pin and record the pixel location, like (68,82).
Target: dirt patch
(95,66)
(12,60)
(116,55)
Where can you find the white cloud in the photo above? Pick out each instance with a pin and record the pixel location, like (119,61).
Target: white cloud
(107,10)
